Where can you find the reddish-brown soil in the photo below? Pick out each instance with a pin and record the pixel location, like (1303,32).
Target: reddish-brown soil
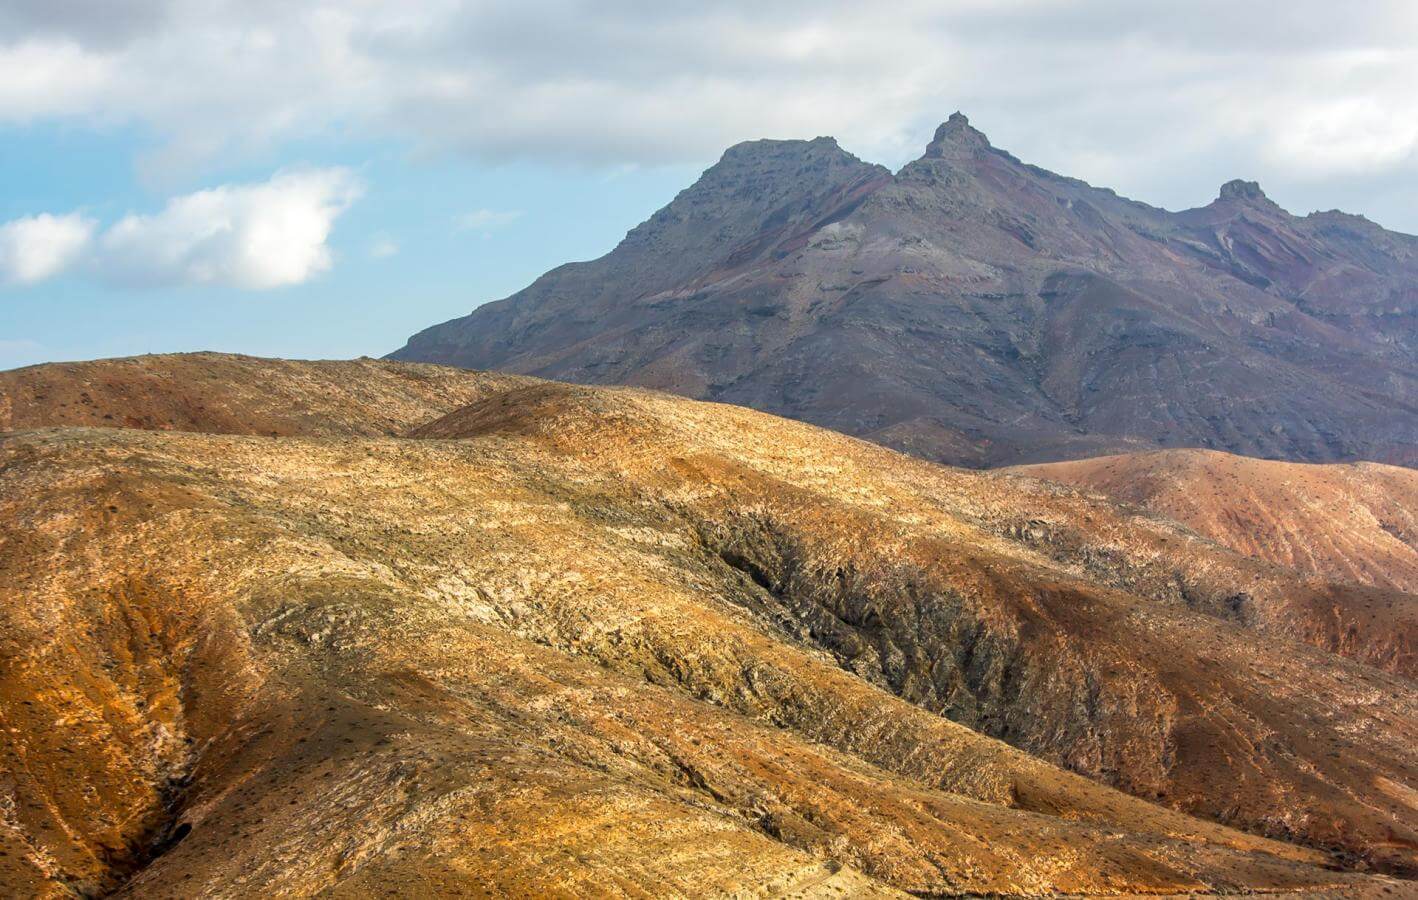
(1354,522)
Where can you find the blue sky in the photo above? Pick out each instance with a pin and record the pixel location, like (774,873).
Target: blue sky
(405,254)
(320,178)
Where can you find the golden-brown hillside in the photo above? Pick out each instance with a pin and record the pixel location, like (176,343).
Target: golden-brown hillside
(229,394)
(1356,522)
(568,640)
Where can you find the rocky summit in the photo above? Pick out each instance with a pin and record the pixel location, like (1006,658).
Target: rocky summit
(977,310)
(369,628)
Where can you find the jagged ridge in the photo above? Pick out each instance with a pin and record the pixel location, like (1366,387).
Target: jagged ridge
(977,310)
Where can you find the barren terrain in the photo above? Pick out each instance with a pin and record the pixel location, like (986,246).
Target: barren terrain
(561,640)
(1356,522)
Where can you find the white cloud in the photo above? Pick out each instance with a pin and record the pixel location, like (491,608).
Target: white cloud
(1160,100)
(486,221)
(37,247)
(254,236)
(40,79)
(1351,135)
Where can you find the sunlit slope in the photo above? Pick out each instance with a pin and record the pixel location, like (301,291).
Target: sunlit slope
(225,393)
(1356,522)
(572,640)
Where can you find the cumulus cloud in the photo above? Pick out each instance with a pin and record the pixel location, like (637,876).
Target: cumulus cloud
(1141,96)
(37,247)
(254,236)
(251,236)
(45,79)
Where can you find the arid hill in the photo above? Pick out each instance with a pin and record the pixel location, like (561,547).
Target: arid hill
(565,640)
(1341,522)
(977,310)
(224,393)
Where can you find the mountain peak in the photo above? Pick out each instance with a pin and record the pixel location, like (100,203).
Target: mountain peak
(1245,191)
(772,147)
(824,271)
(956,137)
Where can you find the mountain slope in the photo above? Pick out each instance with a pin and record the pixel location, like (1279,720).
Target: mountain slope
(1341,522)
(977,310)
(566,639)
(225,393)
(276,710)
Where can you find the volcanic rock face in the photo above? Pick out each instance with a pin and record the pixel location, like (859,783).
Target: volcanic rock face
(566,640)
(977,310)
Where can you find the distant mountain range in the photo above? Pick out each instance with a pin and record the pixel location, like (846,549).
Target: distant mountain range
(978,310)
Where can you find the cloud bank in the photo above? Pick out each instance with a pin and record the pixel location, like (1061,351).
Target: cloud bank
(1161,101)
(252,236)
(1307,87)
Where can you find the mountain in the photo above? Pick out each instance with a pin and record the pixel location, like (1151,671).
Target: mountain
(1355,522)
(567,640)
(977,310)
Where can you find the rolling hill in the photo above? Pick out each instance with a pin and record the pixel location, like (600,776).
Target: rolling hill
(1356,522)
(528,637)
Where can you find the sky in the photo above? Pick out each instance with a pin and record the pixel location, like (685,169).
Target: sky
(322,179)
